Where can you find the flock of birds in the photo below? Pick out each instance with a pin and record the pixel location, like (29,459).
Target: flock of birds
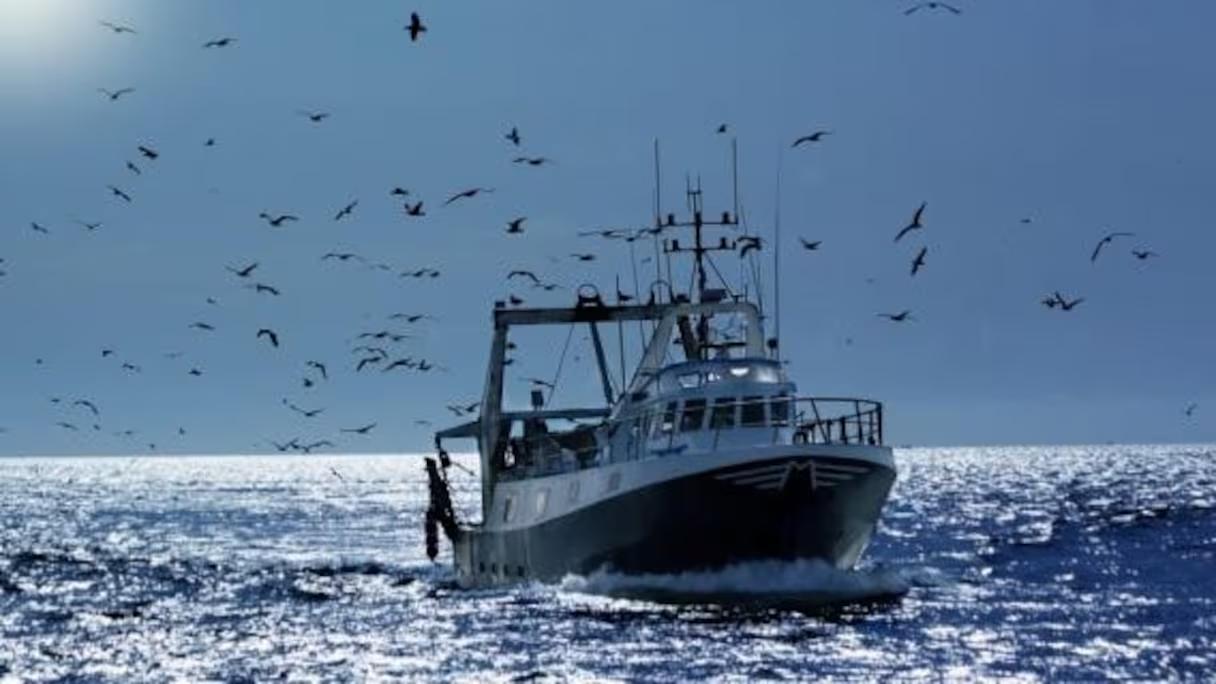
(378,350)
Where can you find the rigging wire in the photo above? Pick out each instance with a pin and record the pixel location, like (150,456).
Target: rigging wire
(560,362)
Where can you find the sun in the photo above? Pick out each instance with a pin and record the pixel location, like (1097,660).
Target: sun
(44,39)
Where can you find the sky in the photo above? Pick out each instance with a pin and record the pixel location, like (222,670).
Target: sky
(1030,129)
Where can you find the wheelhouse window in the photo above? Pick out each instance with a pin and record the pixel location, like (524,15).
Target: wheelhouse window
(779,410)
(666,423)
(752,412)
(723,414)
(693,415)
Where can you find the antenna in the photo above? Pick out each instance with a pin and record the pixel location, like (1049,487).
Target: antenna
(777,261)
(658,213)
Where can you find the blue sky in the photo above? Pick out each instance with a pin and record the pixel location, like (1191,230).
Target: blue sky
(1083,116)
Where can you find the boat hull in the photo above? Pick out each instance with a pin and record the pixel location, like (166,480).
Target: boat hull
(774,507)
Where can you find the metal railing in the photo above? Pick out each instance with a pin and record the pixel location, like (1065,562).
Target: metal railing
(781,420)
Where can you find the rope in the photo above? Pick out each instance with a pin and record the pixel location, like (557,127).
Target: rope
(560,362)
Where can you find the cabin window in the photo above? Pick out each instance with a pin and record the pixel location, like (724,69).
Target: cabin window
(723,414)
(693,416)
(780,410)
(752,412)
(667,423)
(542,502)
(506,509)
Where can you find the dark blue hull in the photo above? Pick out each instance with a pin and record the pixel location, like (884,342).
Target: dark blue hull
(788,508)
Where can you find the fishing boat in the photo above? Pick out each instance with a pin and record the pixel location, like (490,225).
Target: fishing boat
(703,457)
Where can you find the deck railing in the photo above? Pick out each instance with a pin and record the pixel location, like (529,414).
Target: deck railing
(786,420)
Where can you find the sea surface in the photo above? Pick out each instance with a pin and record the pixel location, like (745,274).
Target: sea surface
(1018,564)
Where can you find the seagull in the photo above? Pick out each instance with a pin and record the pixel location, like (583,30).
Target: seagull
(346,211)
(467,194)
(1064,303)
(533,161)
(721,128)
(414,209)
(148,152)
(134,169)
(813,137)
(513,136)
(342,256)
(919,261)
(359,430)
(516,225)
(905,315)
(399,191)
(219,42)
(115,94)
(90,226)
(39,228)
(277,221)
(320,368)
(415,26)
(1105,241)
(262,287)
(269,334)
(117,192)
(540,383)
(811,246)
(915,224)
(315,117)
(1190,410)
(933,5)
(524,274)
(750,243)
(117,28)
(202,326)
(584,256)
(243,272)
(87,404)
(1143,254)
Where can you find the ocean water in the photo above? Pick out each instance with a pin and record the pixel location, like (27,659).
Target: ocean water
(1021,564)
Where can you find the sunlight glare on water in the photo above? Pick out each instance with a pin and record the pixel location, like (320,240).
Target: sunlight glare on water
(1028,564)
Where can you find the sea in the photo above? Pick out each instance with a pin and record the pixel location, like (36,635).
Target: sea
(1072,564)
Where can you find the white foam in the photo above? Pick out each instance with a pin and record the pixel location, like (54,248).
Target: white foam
(798,581)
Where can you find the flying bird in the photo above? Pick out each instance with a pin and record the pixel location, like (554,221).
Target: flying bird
(584,256)
(90,226)
(1190,410)
(533,161)
(148,152)
(721,128)
(516,225)
(117,28)
(1106,241)
(812,138)
(513,136)
(320,368)
(915,224)
(359,430)
(415,27)
(117,192)
(905,315)
(414,209)
(202,326)
(1066,305)
(524,274)
(262,287)
(1143,254)
(270,335)
(219,42)
(399,191)
(243,272)
(467,194)
(933,5)
(811,246)
(315,117)
(115,94)
(39,228)
(346,211)
(134,169)
(919,262)
(277,221)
